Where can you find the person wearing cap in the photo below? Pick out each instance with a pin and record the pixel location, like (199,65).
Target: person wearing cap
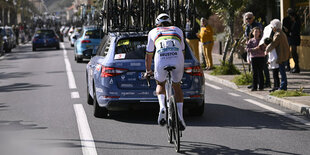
(280,43)
(206,38)
(167,42)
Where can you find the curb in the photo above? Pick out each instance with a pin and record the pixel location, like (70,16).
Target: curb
(300,108)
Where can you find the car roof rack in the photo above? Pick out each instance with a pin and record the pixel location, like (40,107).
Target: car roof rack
(139,15)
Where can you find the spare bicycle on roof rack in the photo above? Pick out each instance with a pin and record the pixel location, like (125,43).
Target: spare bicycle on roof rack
(139,15)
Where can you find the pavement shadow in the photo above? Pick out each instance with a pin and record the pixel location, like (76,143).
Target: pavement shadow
(5,75)
(217,115)
(214,149)
(3,107)
(148,116)
(18,125)
(187,147)
(20,87)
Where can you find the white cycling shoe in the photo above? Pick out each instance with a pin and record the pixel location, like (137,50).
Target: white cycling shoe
(162,117)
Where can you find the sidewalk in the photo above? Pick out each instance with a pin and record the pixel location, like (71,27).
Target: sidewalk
(295,81)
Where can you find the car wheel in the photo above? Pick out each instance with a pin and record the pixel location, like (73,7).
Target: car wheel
(198,111)
(72,45)
(34,48)
(90,100)
(79,59)
(57,47)
(99,112)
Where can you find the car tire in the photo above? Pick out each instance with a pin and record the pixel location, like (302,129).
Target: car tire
(57,47)
(79,60)
(197,111)
(34,48)
(99,112)
(72,45)
(90,100)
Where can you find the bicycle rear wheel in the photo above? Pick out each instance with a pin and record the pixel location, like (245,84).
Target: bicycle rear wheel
(175,125)
(169,122)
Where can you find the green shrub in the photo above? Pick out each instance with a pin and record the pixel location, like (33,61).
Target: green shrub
(225,69)
(243,79)
(289,93)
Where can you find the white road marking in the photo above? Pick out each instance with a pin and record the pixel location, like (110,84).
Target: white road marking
(213,86)
(279,112)
(233,94)
(86,137)
(75,95)
(87,141)
(70,75)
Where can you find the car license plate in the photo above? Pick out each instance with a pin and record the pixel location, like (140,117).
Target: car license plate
(89,46)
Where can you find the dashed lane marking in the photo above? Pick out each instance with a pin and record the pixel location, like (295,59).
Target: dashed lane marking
(213,86)
(279,112)
(75,95)
(86,137)
(87,140)
(233,94)
(71,80)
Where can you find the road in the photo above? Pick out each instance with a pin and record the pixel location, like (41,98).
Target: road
(42,111)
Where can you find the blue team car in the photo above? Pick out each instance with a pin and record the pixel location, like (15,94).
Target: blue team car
(87,43)
(45,38)
(114,80)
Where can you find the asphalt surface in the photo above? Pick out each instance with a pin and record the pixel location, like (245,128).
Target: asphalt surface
(39,115)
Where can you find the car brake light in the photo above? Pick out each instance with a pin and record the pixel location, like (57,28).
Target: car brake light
(194,71)
(85,41)
(194,96)
(111,71)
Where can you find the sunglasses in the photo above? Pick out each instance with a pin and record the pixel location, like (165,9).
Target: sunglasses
(248,18)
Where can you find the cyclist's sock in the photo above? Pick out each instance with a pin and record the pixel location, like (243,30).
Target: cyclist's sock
(180,110)
(161,99)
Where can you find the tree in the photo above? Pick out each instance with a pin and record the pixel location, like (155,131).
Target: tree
(227,10)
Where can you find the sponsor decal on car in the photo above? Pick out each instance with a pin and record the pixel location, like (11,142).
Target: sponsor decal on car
(113,93)
(135,64)
(128,93)
(127,85)
(144,93)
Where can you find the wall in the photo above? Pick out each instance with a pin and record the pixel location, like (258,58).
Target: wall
(304,53)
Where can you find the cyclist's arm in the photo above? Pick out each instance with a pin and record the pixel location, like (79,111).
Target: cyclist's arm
(148,61)
(149,53)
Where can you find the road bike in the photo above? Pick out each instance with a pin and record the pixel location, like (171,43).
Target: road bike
(173,124)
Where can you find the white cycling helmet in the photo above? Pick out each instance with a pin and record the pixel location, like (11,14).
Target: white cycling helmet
(163,17)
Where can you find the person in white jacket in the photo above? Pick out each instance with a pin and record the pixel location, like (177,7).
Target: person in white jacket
(274,66)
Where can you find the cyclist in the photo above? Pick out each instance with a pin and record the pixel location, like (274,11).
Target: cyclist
(168,44)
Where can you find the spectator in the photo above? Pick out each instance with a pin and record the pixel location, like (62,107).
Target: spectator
(286,28)
(294,40)
(257,58)
(250,24)
(280,43)
(274,66)
(206,38)
(191,38)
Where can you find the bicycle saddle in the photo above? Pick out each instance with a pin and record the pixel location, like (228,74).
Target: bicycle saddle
(169,68)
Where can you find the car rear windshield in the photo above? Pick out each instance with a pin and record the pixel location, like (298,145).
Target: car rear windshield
(45,33)
(93,34)
(134,48)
